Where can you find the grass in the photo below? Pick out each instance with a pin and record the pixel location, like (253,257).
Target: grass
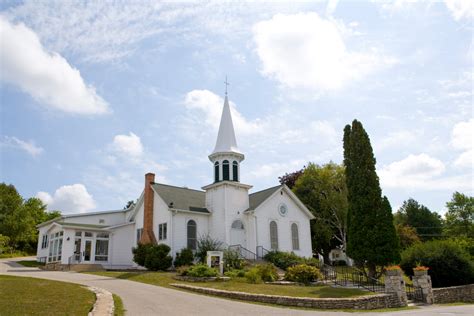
(15,254)
(31,263)
(239,284)
(118,310)
(30,296)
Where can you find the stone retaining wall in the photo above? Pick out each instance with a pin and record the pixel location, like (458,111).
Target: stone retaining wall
(463,293)
(362,302)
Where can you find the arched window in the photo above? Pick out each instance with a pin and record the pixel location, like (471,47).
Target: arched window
(225,170)
(237,224)
(216,171)
(192,232)
(273,235)
(235,171)
(295,240)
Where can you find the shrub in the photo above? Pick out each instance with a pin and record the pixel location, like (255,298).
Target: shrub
(232,260)
(283,260)
(449,264)
(140,252)
(303,273)
(253,276)
(311,262)
(158,258)
(235,273)
(182,270)
(201,271)
(184,258)
(204,244)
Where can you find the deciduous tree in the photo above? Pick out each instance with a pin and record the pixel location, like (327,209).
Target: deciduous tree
(460,216)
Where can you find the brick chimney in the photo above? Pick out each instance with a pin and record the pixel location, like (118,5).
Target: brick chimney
(148,237)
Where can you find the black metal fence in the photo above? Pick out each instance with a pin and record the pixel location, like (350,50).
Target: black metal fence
(350,277)
(414,293)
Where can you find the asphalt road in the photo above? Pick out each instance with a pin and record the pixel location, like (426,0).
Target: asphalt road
(144,299)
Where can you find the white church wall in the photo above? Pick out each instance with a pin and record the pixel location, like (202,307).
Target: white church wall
(161,214)
(41,253)
(138,222)
(120,246)
(68,245)
(179,229)
(268,211)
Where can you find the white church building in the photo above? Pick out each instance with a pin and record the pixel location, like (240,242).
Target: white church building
(252,223)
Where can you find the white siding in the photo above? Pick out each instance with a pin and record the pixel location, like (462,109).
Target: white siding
(110,219)
(180,221)
(120,247)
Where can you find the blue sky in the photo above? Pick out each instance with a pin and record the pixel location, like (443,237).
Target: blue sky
(94,95)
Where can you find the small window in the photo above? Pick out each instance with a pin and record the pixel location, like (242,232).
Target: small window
(139,234)
(78,234)
(225,170)
(235,171)
(237,224)
(294,237)
(103,235)
(273,235)
(162,231)
(101,221)
(216,171)
(192,234)
(44,242)
(88,234)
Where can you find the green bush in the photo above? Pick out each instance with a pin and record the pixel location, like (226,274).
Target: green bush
(158,258)
(303,273)
(4,240)
(283,260)
(339,263)
(201,271)
(207,243)
(253,276)
(182,270)
(184,258)
(235,273)
(449,264)
(311,262)
(140,252)
(232,260)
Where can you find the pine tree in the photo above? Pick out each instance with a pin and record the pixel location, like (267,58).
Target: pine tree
(371,235)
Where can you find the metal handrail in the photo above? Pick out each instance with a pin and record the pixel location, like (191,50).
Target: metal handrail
(243,252)
(261,252)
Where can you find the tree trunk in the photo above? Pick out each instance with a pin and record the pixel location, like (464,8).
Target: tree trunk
(372,270)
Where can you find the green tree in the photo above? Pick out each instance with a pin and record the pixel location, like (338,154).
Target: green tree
(426,223)
(460,216)
(371,239)
(18,218)
(407,235)
(323,189)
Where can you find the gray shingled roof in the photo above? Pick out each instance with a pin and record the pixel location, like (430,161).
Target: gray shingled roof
(182,198)
(257,198)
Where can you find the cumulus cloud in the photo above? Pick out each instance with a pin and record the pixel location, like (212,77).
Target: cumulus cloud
(306,51)
(128,145)
(44,75)
(460,9)
(69,199)
(27,146)
(462,138)
(413,171)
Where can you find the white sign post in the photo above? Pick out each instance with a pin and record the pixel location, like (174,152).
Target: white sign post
(215,259)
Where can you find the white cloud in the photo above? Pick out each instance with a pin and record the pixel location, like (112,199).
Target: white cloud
(306,51)
(462,138)
(413,171)
(46,76)
(69,199)
(27,146)
(460,8)
(128,145)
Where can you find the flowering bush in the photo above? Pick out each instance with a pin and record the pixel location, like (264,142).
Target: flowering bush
(420,268)
(393,268)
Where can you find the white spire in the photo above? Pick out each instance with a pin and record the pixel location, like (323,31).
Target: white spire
(226,137)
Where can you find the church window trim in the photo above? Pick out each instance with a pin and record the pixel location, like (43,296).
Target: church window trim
(237,224)
(225,170)
(139,234)
(162,231)
(235,171)
(191,234)
(295,240)
(273,235)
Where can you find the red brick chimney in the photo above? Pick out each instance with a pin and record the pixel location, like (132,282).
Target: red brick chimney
(148,237)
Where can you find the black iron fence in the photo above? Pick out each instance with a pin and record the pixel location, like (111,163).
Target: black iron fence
(414,293)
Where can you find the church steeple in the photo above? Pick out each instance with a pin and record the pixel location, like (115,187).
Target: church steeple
(226,156)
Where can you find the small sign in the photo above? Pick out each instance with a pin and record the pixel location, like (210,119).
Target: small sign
(215,259)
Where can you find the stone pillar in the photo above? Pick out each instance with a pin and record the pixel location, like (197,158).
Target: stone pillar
(394,283)
(423,280)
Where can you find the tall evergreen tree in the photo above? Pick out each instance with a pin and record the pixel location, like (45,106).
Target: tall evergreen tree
(371,235)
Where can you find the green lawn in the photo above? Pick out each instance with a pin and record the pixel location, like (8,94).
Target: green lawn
(31,263)
(166,278)
(118,310)
(30,296)
(14,254)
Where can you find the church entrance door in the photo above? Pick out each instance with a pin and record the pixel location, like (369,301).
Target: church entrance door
(237,234)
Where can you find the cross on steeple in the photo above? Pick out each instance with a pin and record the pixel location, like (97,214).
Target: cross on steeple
(226,84)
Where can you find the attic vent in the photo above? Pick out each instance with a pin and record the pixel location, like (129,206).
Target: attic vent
(101,221)
(171,204)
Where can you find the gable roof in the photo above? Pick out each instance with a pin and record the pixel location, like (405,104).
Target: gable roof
(257,198)
(182,198)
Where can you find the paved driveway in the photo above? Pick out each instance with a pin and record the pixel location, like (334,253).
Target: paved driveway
(144,299)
